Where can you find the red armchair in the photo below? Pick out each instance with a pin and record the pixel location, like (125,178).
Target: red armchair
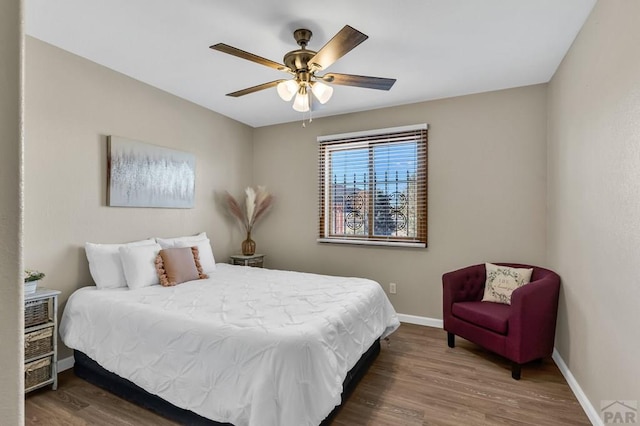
(521,332)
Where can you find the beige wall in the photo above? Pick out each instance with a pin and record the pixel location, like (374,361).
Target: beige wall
(594,202)
(487,193)
(71,106)
(11,305)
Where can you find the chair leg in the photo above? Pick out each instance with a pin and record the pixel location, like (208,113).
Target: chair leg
(516,369)
(451,339)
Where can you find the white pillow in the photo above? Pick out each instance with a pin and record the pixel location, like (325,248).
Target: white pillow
(105,265)
(171,242)
(207,261)
(139,265)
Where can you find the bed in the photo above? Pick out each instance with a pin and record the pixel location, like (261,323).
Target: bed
(247,346)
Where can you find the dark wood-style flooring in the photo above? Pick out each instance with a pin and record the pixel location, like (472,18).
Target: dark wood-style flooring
(416,380)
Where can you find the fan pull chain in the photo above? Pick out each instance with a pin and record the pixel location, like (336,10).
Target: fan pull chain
(310,111)
(310,102)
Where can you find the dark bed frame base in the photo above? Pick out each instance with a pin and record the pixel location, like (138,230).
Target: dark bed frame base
(89,370)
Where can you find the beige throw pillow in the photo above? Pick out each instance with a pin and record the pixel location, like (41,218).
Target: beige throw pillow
(502,281)
(179,265)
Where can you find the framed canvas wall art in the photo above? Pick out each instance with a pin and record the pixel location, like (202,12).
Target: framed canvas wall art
(144,175)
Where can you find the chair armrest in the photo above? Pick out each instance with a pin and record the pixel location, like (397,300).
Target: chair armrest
(532,323)
(463,285)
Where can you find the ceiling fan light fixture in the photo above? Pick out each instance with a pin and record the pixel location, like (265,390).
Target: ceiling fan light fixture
(322,92)
(306,87)
(301,103)
(287,89)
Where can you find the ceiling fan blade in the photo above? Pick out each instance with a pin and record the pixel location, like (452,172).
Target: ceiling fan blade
(254,88)
(341,44)
(225,48)
(359,81)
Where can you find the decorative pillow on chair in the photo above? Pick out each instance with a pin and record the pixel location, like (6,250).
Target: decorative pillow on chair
(178,265)
(502,281)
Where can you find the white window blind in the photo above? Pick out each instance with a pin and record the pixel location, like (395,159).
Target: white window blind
(372,187)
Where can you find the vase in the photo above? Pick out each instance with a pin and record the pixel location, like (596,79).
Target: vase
(248,246)
(30,287)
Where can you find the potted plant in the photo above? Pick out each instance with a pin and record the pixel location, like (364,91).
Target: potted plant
(257,202)
(31,280)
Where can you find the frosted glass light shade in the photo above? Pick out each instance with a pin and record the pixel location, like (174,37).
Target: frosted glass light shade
(322,91)
(301,104)
(287,89)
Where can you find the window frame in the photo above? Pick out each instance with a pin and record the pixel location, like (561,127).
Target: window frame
(369,139)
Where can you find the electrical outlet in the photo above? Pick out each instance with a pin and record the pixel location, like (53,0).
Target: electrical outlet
(392,288)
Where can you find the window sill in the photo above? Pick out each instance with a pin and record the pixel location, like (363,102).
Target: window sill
(371,243)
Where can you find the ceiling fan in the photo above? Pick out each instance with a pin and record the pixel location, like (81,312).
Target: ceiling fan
(305,65)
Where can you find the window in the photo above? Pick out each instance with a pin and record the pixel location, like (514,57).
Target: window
(373,187)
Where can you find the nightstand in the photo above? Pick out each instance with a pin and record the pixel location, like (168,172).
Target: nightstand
(256,260)
(41,339)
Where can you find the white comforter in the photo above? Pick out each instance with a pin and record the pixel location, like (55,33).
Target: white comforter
(247,346)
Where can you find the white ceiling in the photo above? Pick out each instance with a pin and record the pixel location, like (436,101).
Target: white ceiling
(434,48)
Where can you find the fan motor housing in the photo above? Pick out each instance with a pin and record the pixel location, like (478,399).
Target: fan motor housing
(297,60)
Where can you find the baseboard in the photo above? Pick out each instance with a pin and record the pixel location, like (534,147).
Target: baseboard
(414,319)
(588,408)
(65,364)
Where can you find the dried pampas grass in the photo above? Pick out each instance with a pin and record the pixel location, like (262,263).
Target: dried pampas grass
(257,203)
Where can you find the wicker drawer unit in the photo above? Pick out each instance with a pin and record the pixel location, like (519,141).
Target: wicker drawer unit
(38,342)
(38,372)
(40,339)
(36,312)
